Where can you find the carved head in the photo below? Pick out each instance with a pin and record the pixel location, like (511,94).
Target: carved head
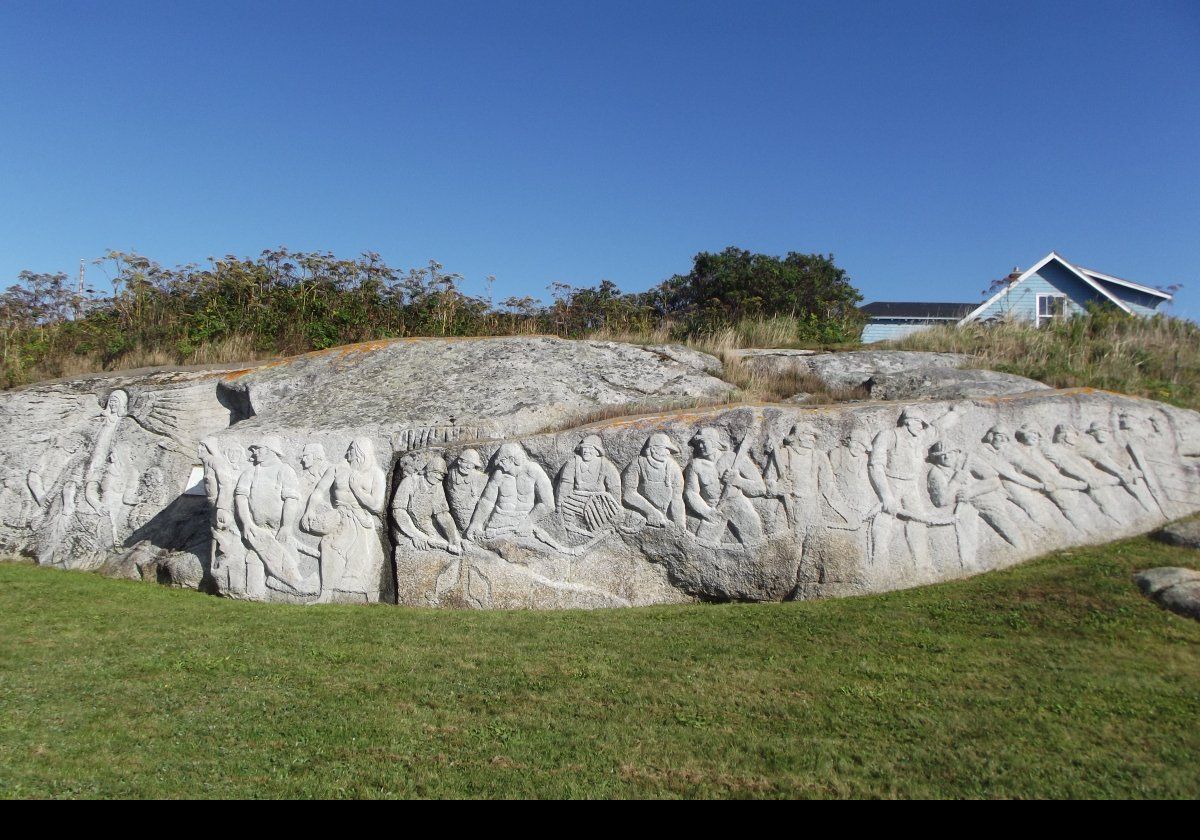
(858,442)
(117,404)
(311,455)
(1065,434)
(360,451)
(510,457)
(1099,433)
(435,469)
(943,455)
(659,446)
(1029,436)
(410,463)
(996,437)
(468,461)
(709,443)
(590,448)
(1155,424)
(914,420)
(803,437)
(1125,422)
(266,451)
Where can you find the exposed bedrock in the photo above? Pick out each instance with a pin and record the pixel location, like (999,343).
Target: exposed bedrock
(468,473)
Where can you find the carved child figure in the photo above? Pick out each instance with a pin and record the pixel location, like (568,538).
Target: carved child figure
(653,483)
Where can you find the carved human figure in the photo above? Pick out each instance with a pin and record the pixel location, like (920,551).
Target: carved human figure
(351,550)
(464,486)
(313,464)
(588,488)
(1020,488)
(717,485)
(959,481)
(1068,458)
(1064,492)
(267,503)
(517,496)
(1112,456)
(895,468)
(145,497)
(422,512)
(803,479)
(222,469)
(653,483)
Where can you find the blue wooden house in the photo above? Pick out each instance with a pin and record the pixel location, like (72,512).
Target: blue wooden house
(1052,288)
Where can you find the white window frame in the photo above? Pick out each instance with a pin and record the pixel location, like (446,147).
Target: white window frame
(1039,317)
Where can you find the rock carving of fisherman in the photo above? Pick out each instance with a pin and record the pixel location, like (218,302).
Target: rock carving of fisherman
(517,496)
(588,488)
(717,484)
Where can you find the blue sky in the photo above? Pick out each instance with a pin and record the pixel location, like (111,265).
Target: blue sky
(931,147)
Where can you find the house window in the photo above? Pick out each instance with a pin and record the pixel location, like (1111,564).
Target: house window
(1050,306)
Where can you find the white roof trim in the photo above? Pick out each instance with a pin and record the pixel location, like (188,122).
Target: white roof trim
(983,307)
(1108,278)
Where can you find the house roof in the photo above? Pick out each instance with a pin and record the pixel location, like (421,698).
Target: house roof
(1051,257)
(917,309)
(1108,278)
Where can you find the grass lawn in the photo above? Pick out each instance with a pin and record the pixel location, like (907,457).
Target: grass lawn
(1053,679)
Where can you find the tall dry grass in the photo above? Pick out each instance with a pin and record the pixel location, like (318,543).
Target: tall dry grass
(1149,357)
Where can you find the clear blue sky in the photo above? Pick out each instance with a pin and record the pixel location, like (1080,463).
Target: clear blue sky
(930,147)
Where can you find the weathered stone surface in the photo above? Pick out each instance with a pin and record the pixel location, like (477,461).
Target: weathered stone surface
(778,502)
(97,469)
(1184,533)
(456,473)
(1153,581)
(1173,588)
(847,370)
(947,383)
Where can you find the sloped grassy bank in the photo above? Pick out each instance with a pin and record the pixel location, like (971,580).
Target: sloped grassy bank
(1052,679)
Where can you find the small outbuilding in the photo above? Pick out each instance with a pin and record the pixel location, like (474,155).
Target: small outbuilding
(1052,288)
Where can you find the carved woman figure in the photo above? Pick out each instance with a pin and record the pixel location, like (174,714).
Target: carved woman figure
(351,550)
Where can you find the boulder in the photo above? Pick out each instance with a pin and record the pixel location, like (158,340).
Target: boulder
(947,383)
(844,371)
(542,473)
(1173,588)
(1185,533)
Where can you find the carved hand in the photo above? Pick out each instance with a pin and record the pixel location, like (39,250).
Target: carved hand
(656,518)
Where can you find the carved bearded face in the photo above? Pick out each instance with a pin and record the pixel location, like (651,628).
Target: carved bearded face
(659,451)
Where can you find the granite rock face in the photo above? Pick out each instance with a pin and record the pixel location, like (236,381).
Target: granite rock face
(102,472)
(771,502)
(947,383)
(467,473)
(853,369)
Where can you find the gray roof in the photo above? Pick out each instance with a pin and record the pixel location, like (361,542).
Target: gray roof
(917,309)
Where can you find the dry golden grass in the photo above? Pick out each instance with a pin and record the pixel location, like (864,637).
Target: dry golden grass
(1148,357)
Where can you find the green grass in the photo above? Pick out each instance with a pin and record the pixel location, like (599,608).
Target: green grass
(1054,679)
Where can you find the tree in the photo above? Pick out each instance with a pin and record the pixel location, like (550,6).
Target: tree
(734,284)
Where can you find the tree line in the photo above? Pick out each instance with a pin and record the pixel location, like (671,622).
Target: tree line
(286,301)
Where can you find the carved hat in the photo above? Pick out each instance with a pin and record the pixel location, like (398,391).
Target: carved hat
(592,441)
(991,433)
(272,442)
(661,439)
(710,436)
(313,449)
(471,457)
(1025,433)
(914,413)
(1098,427)
(940,448)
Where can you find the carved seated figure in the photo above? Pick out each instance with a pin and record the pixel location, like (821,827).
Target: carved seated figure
(653,483)
(421,511)
(518,494)
(588,488)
